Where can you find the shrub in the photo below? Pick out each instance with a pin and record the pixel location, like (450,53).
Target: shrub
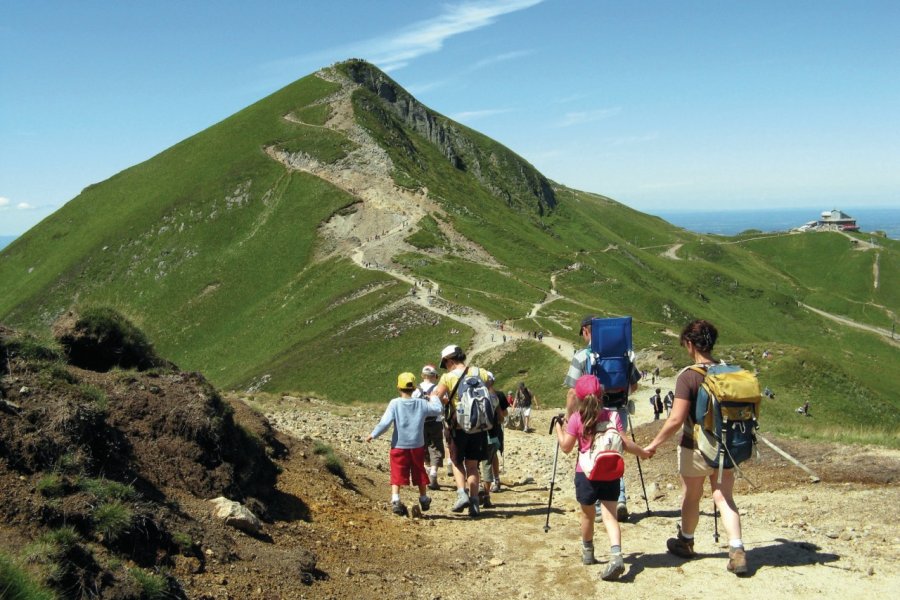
(51,486)
(332,461)
(106,490)
(100,338)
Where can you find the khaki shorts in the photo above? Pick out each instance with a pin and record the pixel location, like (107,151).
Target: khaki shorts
(692,464)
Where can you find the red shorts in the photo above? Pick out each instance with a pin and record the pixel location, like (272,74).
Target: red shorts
(408,464)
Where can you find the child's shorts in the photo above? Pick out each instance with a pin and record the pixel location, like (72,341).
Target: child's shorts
(408,464)
(589,492)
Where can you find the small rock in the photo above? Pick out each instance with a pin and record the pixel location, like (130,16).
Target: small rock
(348,572)
(495,562)
(870,571)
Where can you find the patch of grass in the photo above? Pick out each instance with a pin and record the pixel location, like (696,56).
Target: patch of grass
(111,519)
(153,586)
(16,584)
(94,394)
(105,490)
(332,462)
(183,540)
(51,485)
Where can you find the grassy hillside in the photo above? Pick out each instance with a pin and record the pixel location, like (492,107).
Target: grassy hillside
(211,248)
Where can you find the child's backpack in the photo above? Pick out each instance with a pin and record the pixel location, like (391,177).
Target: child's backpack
(725,416)
(612,352)
(475,409)
(604,460)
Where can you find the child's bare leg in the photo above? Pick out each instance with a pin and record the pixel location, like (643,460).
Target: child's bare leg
(608,514)
(588,513)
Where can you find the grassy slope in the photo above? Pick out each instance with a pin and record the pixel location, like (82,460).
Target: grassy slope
(208,247)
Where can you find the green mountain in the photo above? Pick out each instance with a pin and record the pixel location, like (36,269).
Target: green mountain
(336,232)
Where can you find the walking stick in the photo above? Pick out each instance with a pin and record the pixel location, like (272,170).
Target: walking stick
(640,471)
(552,477)
(715,522)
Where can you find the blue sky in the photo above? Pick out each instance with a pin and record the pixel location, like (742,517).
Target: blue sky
(661,105)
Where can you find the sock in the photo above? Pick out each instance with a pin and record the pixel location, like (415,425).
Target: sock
(433,470)
(424,497)
(687,536)
(395,497)
(736,543)
(587,545)
(615,549)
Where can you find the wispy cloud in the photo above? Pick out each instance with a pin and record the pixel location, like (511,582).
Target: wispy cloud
(500,58)
(4,202)
(24,206)
(588,116)
(7,204)
(628,140)
(472,115)
(426,37)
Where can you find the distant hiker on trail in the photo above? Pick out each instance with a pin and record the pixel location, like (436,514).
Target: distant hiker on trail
(583,427)
(581,365)
(657,404)
(667,402)
(434,429)
(524,400)
(655,376)
(804,410)
(407,414)
(490,468)
(466,449)
(698,339)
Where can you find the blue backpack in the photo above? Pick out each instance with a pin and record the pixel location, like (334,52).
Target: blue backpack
(612,350)
(725,415)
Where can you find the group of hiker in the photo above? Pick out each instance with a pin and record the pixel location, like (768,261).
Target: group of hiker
(660,404)
(449,411)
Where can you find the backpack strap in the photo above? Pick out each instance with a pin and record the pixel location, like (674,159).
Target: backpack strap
(448,415)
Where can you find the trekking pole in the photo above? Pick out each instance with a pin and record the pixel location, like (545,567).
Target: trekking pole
(640,471)
(715,522)
(552,477)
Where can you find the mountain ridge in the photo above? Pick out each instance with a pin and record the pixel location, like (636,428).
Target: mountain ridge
(323,226)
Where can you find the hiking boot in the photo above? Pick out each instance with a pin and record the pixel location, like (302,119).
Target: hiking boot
(398,508)
(462,501)
(474,510)
(425,503)
(587,556)
(486,502)
(614,568)
(495,487)
(621,512)
(737,561)
(681,546)
(432,482)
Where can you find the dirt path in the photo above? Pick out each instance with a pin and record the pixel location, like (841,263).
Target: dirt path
(804,540)
(850,323)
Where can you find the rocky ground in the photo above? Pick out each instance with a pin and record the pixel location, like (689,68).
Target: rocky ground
(836,537)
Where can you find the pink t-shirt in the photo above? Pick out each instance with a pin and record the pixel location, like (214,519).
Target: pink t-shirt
(574,427)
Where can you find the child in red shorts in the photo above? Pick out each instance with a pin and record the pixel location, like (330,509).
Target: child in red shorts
(407,414)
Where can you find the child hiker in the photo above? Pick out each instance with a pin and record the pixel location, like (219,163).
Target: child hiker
(408,416)
(579,428)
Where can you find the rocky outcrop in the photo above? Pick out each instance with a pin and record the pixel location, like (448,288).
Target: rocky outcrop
(505,174)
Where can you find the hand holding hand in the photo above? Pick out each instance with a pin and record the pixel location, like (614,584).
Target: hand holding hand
(369,438)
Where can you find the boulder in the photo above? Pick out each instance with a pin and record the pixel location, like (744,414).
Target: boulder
(235,515)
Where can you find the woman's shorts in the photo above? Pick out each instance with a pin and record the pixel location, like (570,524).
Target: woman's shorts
(408,464)
(692,464)
(467,446)
(589,492)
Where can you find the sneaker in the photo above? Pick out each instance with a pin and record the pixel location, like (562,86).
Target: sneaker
(737,561)
(462,501)
(621,512)
(495,487)
(681,546)
(425,503)
(474,510)
(432,482)
(587,556)
(398,508)
(614,568)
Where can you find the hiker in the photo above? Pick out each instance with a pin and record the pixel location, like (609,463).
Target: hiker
(657,405)
(581,365)
(698,338)
(466,449)
(524,400)
(490,468)
(407,414)
(579,427)
(804,410)
(434,429)
(667,402)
